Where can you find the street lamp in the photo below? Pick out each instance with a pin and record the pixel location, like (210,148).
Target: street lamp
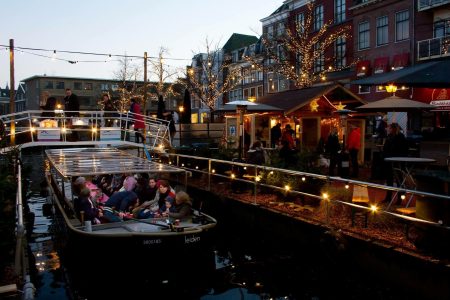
(180,120)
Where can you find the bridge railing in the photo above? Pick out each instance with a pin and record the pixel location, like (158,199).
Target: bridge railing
(74,126)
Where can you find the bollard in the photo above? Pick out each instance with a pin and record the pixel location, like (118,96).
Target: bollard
(87,226)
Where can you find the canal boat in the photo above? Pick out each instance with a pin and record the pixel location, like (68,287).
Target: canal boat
(131,239)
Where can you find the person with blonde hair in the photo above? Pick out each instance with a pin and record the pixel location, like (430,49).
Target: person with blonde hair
(182,207)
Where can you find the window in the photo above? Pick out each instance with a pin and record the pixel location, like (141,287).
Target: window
(88,86)
(77,86)
(402,25)
(363,89)
(272,80)
(260,91)
(60,85)
(48,85)
(300,22)
(382,31)
(298,62)
(363,35)
(318,17)
(339,11)
(280,29)
(340,49)
(246,93)
(269,32)
(104,86)
(442,28)
(319,62)
(114,87)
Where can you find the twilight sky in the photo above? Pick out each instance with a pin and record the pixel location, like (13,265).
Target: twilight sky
(118,27)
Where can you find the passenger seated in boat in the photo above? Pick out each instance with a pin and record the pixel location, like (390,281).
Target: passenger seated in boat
(182,208)
(145,189)
(78,184)
(129,184)
(118,205)
(164,191)
(87,210)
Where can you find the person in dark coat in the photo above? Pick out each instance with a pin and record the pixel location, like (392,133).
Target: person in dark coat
(332,148)
(275,134)
(109,109)
(396,145)
(49,108)
(182,208)
(90,212)
(71,104)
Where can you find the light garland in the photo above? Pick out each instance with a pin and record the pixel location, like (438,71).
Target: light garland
(293,55)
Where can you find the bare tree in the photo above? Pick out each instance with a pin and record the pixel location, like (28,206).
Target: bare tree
(209,77)
(128,74)
(164,74)
(299,53)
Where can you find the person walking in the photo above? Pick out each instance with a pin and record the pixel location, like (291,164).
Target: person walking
(396,145)
(353,146)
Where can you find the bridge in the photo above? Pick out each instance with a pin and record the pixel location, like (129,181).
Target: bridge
(60,128)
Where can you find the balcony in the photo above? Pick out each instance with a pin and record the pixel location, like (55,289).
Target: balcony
(428,4)
(433,48)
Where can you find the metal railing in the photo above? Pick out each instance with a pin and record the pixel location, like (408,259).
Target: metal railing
(87,126)
(290,182)
(427,4)
(433,48)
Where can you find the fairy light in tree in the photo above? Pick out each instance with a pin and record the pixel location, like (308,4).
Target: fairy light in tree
(295,52)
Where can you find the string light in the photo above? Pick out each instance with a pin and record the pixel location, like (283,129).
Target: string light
(304,44)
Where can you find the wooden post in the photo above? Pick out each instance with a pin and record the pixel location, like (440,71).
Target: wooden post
(12,92)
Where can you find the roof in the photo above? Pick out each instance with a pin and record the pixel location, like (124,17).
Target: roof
(430,74)
(292,100)
(259,107)
(237,41)
(91,161)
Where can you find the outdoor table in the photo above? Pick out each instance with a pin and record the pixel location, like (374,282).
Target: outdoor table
(405,166)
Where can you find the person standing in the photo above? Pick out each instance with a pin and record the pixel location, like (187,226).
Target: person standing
(139,124)
(71,104)
(275,134)
(333,147)
(108,108)
(354,144)
(396,145)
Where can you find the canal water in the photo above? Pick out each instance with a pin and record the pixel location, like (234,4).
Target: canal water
(248,263)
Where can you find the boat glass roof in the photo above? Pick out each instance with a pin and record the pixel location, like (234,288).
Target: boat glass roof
(91,161)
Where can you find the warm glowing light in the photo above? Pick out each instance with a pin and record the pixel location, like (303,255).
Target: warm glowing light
(58,106)
(391,88)
(258,178)
(182,165)
(403,197)
(196,167)
(34,120)
(314,105)
(63,130)
(233,176)
(252,99)
(373,208)
(287,188)
(271,173)
(340,106)
(303,178)
(213,171)
(94,129)
(347,186)
(161,146)
(181,108)
(325,196)
(273,122)
(32,129)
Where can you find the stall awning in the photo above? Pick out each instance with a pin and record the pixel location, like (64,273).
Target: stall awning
(362,68)
(431,74)
(400,61)
(381,65)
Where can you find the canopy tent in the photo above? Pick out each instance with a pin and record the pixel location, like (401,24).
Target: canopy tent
(431,74)
(254,107)
(394,103)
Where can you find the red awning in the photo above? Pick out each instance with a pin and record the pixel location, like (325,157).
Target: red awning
(362,68)
(400,61)
(380,65)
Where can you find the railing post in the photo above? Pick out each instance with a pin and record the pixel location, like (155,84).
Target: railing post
(256,184)
(209,174)
(31,126)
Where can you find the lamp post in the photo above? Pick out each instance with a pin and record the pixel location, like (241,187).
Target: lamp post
(241,107)
(181,109)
